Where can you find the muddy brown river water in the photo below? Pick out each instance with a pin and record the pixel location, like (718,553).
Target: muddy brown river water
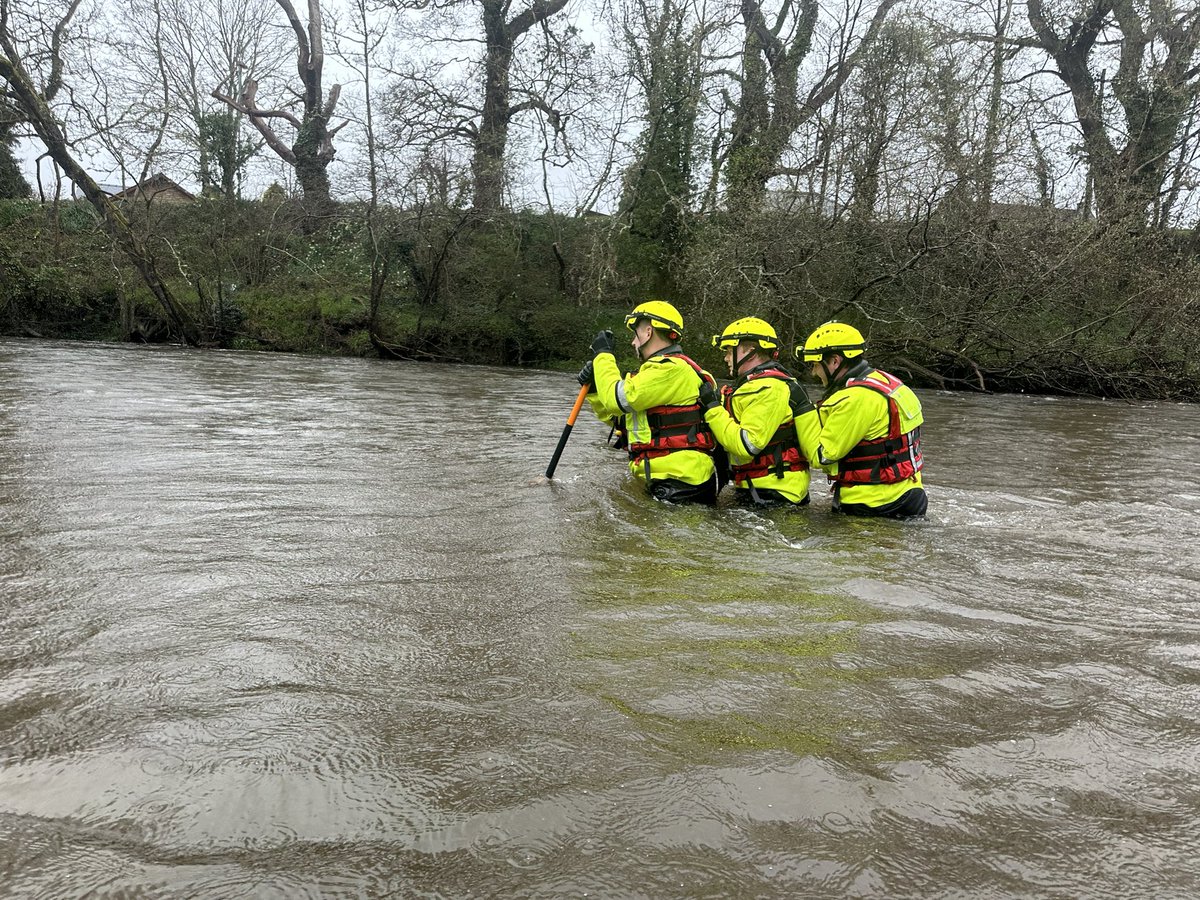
(273,626)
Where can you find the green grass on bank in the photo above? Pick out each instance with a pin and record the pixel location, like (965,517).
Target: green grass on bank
(1030,305)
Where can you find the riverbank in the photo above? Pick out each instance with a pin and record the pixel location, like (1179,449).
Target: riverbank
(960,301)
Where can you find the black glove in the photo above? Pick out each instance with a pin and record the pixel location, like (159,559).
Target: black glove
(708,395)
(799,400)
(587,375)
(602,342)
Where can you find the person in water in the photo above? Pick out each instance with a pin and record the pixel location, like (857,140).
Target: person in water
(870,428)
(670,445)
(765,422)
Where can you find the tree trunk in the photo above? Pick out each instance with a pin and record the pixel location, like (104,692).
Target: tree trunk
(491,134)
(491,137)
(770,110)
(313,151)
(1002,14)
(1154,97)
(51,134)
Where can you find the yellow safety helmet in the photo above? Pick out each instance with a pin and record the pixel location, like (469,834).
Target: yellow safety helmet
(661,315)
(747,329)
(832,337)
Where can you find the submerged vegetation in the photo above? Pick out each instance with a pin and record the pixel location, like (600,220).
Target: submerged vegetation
(1019,301)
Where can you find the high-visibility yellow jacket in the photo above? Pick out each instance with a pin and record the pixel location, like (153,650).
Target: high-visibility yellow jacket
(661,391)
(757,429)
(857,421)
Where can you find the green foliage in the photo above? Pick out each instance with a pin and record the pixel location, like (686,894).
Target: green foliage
(223,153)
(77,216)
(309,322)
(358,343)
(658,187)
(1029,303)
(499,291)
(1032,302)
(335,253)
(273,195)
(52,283)
(13,185)
(13,211)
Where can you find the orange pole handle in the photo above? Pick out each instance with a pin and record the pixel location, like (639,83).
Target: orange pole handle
(562,441)
(583,392)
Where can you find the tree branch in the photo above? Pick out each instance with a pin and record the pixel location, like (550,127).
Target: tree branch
(54,82)
(259,116)
(538,11)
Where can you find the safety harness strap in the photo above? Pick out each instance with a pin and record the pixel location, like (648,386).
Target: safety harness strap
(886,460)
(675,427)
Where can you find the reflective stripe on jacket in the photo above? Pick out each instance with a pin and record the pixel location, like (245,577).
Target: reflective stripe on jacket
(782,452)
(748,424)
(674,427)
(660,403)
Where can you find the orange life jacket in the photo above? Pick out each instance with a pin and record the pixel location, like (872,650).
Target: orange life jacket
(886,460)
(782,452)
(675,427)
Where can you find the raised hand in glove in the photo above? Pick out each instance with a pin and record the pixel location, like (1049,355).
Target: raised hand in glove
(602,342)
(587,375)
(799,400)
(708,395)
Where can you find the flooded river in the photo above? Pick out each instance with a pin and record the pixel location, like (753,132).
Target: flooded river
(289,627)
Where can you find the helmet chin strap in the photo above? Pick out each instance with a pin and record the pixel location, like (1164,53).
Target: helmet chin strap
(831,376)
(737,363)
(639,347)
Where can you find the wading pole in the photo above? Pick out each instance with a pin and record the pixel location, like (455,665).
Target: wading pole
(562,441)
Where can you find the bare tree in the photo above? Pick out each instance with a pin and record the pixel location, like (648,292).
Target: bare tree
(886,100)
(1183,168)
(501,33)
(311,150)
(481,113)
(34,105)
(207,45)
(769,108)
(364,36)
(1000,18)
(122,97)
(1156,83)
(665,47)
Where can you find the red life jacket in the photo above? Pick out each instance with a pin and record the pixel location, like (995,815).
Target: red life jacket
(782,452)
(886,460)
(675,427)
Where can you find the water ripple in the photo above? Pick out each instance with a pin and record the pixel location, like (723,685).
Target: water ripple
(267,632)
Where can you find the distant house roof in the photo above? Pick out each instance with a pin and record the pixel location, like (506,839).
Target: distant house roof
(154,188)
(157,187)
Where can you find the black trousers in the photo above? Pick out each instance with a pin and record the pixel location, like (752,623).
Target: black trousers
(910,505)
(764,498)
(671,490)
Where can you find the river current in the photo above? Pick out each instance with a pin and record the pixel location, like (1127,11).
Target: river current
(274,626)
